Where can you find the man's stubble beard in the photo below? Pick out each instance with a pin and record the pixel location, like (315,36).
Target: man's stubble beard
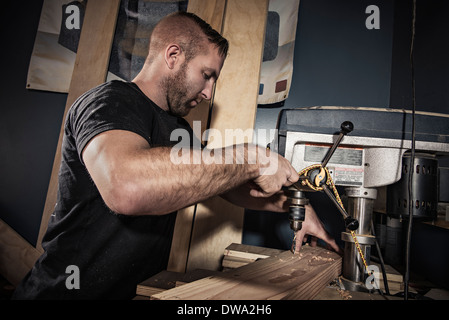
(177,90)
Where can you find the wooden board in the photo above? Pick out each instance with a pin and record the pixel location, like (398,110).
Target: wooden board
(237,255)
(17,256)
(91,67)
(218,222)
(285,276)
(212,11)
(166,280)
(235,101)
(203,231)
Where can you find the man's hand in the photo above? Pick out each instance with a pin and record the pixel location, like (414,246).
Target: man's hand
(312,226)
(275,172)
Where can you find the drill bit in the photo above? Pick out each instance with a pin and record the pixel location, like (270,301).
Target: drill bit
(293,248)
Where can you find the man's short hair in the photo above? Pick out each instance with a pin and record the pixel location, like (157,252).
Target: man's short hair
(189,31)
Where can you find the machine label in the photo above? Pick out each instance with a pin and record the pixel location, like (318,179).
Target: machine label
(343,155)
(348,176)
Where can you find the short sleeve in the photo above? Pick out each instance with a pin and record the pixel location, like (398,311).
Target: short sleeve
(113,106)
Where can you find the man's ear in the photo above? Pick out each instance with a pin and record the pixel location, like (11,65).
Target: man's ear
(173,55)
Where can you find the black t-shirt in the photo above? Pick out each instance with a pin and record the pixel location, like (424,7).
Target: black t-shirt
(112,252)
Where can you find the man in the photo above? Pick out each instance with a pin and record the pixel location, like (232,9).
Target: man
(119,189)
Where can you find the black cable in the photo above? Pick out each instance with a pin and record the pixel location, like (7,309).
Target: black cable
(381,259)
(412,162)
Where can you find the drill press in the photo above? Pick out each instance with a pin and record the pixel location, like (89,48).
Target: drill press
(313,179)
(367,158)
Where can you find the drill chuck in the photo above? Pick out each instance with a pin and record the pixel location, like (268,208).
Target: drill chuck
(297,211)
(296,216)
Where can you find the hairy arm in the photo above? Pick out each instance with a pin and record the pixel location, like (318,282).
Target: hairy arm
(136,179)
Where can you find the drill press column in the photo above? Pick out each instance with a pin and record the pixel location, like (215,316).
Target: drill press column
(360,206)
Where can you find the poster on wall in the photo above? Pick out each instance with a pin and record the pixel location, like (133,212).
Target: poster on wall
(135,22)
(60,24)
(59,30)
(277,65)
(54,51)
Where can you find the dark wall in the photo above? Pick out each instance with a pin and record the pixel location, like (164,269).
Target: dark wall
(29,123)
(431,50)
(338,61)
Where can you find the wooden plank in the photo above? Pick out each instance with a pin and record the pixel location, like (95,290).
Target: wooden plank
(180,245)
(90,70)
(212,11)
(237,255)
(249,252)
(235,102)
(285,276)
(165,280)
(235,262)
(218,222)
(17,256)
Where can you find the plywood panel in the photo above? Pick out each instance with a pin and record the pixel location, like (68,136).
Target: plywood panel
(212,11)
(17,256)
(217,222)
(235,101)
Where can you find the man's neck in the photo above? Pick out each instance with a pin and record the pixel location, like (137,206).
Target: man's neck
(150,86)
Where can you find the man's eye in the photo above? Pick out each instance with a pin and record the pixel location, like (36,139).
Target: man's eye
(206,76)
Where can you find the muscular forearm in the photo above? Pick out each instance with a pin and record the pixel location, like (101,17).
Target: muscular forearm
(151,182)
(134,178)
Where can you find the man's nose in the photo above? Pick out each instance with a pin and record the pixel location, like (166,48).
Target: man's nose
(207,91)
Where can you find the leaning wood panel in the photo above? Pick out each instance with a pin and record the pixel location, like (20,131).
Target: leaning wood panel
(285,276)
(90,70)
(217,222)
(235,101)
(211,11)
(17,256)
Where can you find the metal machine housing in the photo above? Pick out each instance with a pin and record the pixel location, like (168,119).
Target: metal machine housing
(370,157)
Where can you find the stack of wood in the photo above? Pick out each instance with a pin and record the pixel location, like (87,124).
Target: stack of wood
(256,274)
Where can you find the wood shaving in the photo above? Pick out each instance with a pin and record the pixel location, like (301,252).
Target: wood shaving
(320,258)
(345,295)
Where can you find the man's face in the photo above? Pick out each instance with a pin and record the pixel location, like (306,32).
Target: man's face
(193,82)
